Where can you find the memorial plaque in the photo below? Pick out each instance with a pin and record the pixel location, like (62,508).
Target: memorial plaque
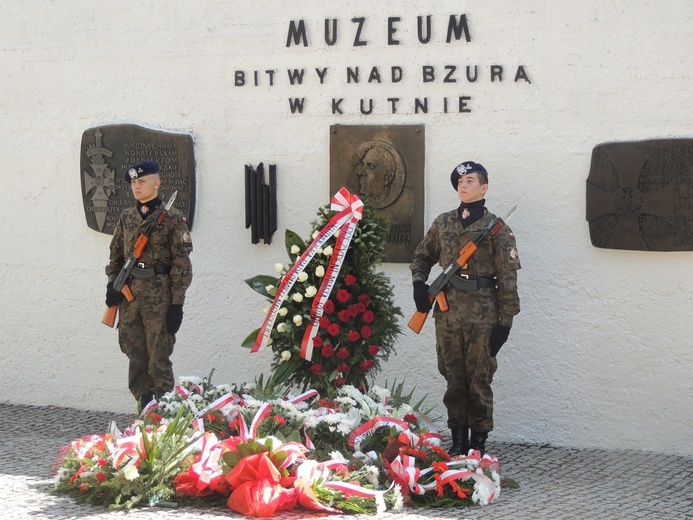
(640,195)
(385,165)
(106,154)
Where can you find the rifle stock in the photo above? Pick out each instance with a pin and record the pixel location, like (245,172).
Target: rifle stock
(110,315)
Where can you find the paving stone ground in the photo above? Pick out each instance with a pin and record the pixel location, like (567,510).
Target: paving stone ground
(556,483)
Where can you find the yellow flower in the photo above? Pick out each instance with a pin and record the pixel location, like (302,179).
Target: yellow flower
(295,250)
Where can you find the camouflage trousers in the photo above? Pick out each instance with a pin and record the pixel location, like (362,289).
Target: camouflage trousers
(464,360)
(144,339)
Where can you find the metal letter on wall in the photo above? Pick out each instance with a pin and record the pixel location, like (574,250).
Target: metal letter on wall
(385,165)
(261,203)
(640,195)
(108,151)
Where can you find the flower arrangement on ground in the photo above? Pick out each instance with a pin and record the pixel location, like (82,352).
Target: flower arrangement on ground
(355,453)
(357,322)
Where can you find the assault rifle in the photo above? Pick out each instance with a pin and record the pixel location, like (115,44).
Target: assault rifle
(435,290)
(137,250)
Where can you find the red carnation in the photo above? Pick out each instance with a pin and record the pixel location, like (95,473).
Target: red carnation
(354,336)
(410,418)
(343,295)
(100,476)
(279,420)
(316,369)
(343,368)
(366,332)
(373,350)
(317,342)
(368,364)
(333,329)
(365,299)
(339,381)
(342,353)
(368,317)
(328,308)
(343,315)
(350,279)
(327,351)
(324,322)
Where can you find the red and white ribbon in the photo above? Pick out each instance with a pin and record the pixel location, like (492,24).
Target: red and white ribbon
(350,209)
(224,400)
(368,428)
(342,202)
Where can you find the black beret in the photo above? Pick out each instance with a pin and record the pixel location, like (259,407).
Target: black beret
(141,169)
(465,168)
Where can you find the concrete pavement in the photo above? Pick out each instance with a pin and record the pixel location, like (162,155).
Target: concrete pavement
(556,483)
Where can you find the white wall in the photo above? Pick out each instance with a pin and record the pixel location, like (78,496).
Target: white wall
(601,353)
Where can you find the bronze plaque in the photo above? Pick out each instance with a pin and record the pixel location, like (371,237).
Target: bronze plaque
(640,195)
(107,152)
(384,165)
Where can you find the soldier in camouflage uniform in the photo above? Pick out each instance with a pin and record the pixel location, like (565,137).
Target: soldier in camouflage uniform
(483,300)
(147,326)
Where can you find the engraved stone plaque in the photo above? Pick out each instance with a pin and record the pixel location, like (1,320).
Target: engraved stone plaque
(384,165)
(108,151)
(640,195)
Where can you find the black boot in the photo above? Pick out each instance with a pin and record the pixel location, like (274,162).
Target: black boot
(478,441)
(460,441)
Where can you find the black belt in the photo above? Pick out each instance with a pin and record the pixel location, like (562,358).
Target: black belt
(142,272)
(466,283)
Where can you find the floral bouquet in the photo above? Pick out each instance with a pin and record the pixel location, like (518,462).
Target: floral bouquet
(267,453)
(357,325)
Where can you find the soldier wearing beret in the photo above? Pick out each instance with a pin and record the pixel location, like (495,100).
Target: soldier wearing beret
(147,326)
(482,301)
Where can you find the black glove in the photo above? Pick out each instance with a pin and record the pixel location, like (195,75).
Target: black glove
(499,335)
(174,317)
(421,298)
(113,297)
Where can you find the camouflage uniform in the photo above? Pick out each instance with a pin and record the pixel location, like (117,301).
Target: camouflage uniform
(463,332)
(142,327)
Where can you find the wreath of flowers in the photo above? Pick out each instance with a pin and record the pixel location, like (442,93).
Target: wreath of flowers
(359,325)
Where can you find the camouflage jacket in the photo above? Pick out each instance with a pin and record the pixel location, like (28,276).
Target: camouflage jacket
(496,257)
(169,245)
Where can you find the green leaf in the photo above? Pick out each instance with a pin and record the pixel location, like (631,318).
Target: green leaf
(259,282)
(284,371)
(292,239)
(249,341)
